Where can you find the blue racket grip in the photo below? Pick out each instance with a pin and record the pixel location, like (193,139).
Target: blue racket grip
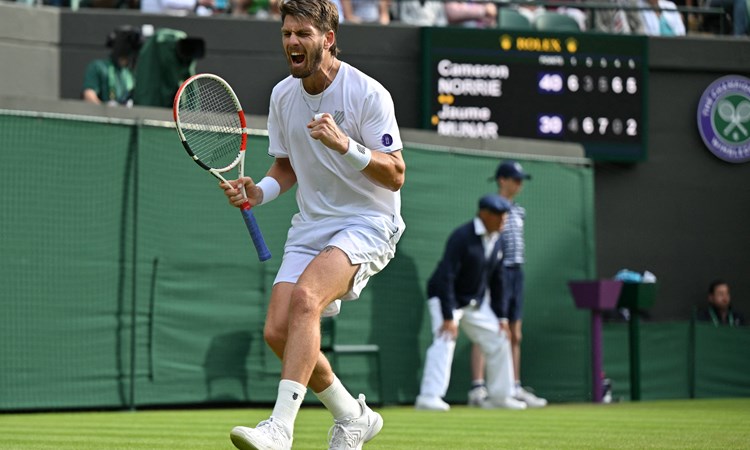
(252,226)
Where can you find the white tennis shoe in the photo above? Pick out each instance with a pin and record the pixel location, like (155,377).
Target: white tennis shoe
(268,435)
(478,395)
(531,400)
(429,403)
(503,403)
(351,434)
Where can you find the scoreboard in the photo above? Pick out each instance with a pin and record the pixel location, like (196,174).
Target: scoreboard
(573,87)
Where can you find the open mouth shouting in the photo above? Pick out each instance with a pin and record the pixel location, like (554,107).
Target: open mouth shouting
(297,58)
(299,64)
(302,64)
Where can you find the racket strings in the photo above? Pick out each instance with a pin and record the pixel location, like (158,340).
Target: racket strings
(210,122)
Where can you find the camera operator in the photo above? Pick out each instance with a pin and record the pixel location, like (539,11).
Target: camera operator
(110,80)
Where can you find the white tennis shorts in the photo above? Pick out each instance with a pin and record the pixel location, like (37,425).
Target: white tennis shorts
(367,243)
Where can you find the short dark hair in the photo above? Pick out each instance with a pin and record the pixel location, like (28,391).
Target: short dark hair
(714,284)
(125,41)
(322,13)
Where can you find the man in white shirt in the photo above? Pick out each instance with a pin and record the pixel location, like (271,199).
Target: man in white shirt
(367,11)
(178,7)
(333,132)
(661,19)
(422,13)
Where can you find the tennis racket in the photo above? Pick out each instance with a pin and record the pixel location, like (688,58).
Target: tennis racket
(212,128)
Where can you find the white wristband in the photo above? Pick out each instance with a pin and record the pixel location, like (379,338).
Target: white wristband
(358,155)
(270,187)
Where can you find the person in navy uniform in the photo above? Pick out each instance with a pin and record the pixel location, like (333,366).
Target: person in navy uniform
(465,291)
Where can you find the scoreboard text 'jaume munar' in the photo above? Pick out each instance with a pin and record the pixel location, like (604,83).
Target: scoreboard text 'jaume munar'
(574,87)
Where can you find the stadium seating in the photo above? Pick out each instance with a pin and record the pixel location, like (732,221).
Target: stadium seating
(551,21)
(510,19)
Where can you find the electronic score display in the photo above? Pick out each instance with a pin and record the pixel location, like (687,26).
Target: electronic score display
(573,87)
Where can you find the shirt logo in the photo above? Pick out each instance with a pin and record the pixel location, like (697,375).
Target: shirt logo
(338,117)
(387,140)
(724,118)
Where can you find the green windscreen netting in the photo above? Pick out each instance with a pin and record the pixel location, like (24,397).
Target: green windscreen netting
(127,280)
(61,261)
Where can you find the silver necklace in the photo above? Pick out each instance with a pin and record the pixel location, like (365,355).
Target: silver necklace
(305,94)
(322,93)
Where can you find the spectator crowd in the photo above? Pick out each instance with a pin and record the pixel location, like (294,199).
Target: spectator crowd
(649,17)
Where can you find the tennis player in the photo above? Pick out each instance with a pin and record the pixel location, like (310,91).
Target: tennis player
(332,131)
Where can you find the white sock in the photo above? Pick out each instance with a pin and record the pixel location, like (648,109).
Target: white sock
(339,401)
(477,383)
(288,402)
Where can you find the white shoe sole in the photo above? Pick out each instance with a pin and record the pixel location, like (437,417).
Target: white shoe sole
(243,441)
(535,405)
(515,406)
(431,408)
(240,440)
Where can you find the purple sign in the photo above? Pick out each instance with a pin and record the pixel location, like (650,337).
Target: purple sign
(724,118)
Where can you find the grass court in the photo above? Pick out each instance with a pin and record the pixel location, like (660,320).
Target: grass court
(672,424)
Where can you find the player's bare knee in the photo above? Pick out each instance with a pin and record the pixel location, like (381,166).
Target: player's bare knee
(275,338)
(304,303)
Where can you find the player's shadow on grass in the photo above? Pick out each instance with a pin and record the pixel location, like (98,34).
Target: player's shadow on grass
(225,367)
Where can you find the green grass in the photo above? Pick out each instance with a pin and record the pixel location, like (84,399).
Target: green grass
(676,424)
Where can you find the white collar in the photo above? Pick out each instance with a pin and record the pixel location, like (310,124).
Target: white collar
(480,229)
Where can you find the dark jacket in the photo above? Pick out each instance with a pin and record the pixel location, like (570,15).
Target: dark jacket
(463,274)
(711,314)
